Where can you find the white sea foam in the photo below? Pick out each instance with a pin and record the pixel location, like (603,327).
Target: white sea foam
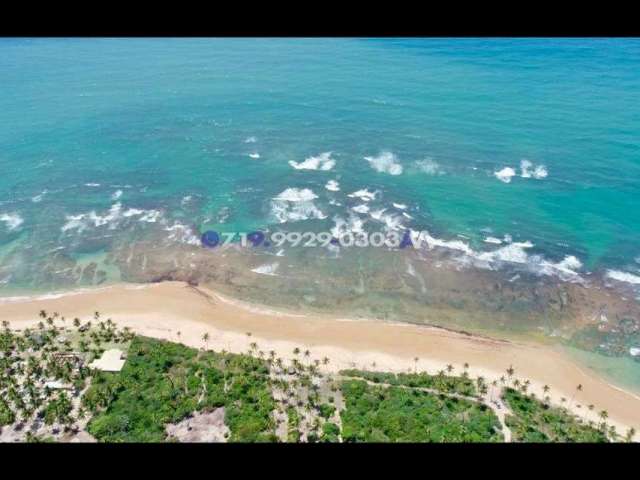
(429,167)
(565,269)
(182,233)
(332,186)
(91,184)
(296,195)
(391,221)
(11,220)
(116,195)
(400,206)
(342,227)
(505,174)
(539,171)
(624,277)
(112,218)
(385,162)
(151,216)
(514,253)
(377,214)
(84,220)
(250,140)
(363,208)
(493,240)
(185,200)
(38,198)
(527,170)
(364,194)
(420,238)
(267,269)
(320,162)
(254,155)
(132,212)
(295,204)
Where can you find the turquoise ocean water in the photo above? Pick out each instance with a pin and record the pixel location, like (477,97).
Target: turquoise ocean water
(104,139)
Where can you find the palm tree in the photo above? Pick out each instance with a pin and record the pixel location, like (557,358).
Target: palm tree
(205,339)
(325,360)
(630,434)
(546,389)
(604,415)
(296,351)
(449,368)
(510,371)
(415,360)
(179,333)
(466,366)
(578,389)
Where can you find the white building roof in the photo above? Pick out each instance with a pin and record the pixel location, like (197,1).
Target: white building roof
(111,361)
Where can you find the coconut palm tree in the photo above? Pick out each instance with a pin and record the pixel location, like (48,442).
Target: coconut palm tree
(578,389)
(510,371)
(630,434)
(415,361)
(449,368)
(603,416)
(205,339)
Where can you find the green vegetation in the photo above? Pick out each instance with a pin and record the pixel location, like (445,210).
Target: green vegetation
(444,383)
(43,369)
(534,421)
(330,433)
(293,432)
(164,382)
(7,417)
(48,393)
(398,414)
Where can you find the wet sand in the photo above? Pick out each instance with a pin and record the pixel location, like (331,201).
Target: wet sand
(179,312)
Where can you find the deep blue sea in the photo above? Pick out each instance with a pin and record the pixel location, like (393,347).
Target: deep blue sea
(509,150)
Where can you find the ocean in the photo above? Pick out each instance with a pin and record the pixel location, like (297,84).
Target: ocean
(517,158)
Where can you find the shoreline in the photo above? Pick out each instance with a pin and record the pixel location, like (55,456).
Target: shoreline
(161,310)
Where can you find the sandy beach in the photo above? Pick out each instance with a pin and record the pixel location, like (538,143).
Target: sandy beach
(178,312)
